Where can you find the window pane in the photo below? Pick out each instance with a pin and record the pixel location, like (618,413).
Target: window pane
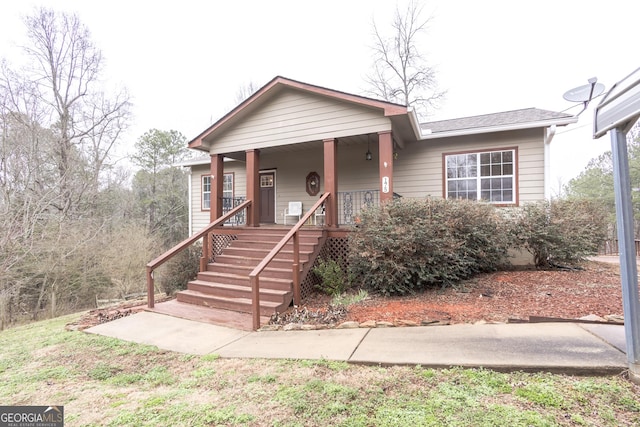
(507,169)
(485,170)
(496,170)
(451,166)
(485,195)
(484,158)
(507,196)
(453,185)
(507,156)
(485,184)
(496,183)
(507,183)
(496,157)
(472,195)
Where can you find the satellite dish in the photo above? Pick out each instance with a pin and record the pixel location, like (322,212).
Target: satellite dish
(584,93)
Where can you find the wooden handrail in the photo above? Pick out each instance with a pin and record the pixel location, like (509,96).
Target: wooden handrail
(157,262)
(254,276)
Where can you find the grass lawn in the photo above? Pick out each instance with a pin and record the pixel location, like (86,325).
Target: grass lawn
(104,381)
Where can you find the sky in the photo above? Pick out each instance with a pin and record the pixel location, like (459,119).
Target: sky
(183,62)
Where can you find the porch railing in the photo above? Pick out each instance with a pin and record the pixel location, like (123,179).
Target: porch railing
(204,233)
(254,276)
(228,203)
(352,203)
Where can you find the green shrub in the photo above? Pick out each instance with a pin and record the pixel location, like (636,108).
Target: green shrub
(408,244)
(560,231)
(334,281)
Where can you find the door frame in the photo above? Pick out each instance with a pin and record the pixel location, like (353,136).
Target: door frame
(275,191)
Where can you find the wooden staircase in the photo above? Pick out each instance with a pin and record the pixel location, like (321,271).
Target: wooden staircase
(225,284)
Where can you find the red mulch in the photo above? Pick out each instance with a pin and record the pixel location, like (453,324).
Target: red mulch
(501,296)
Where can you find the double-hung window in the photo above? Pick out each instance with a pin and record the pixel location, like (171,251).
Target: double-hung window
(487,176)
(206,192)
(227,189)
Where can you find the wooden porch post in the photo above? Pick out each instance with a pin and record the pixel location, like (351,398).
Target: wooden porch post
(253,187)
(331,181)
(217,178)
(385,150)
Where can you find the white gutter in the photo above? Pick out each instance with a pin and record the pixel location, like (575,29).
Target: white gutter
(514,126)
(549,134)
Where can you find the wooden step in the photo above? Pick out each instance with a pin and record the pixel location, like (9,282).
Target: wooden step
(237,291)
(245,270)
(249,261)
(243,280)
(262,253)
(275,238)
(257,244)
(243,305)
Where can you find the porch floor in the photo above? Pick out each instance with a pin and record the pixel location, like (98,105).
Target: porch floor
(231,319)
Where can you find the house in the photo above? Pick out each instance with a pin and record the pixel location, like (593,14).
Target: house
(336,153)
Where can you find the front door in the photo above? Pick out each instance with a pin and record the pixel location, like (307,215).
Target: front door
(267,197)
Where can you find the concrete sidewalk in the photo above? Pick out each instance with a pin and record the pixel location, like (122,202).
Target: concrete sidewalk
(553,347)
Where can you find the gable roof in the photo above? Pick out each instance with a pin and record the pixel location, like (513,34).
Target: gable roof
(280,83)
(495,122)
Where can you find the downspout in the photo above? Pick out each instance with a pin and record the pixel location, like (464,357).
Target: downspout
(189,201)
(549,134)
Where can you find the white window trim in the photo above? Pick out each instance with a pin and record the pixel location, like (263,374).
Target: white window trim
(478,177)
(202,192)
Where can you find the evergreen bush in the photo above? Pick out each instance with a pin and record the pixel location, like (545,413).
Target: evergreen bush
(408,244)
(333,280)
(562,231)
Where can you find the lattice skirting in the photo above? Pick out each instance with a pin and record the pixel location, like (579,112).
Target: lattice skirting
(219,242)
(336,249)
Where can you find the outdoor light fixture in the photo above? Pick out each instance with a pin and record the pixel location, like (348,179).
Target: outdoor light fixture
(368,156)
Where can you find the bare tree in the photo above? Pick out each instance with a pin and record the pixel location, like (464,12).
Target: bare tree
(66,68)
(57,131)
(400,73)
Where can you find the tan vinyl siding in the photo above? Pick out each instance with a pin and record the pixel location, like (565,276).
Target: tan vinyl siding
(293,117)
(419,168)
(417,171)
(200,217)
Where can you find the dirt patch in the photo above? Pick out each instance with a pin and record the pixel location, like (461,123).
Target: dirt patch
(98,316)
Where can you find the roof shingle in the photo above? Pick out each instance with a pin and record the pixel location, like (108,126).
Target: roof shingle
(505,118)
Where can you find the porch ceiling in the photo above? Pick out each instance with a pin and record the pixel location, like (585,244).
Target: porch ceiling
(356,140)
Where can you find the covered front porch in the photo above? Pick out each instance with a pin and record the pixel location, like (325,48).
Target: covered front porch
(330,152)
(356,172)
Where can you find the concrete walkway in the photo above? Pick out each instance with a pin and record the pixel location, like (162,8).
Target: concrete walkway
(570,348)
